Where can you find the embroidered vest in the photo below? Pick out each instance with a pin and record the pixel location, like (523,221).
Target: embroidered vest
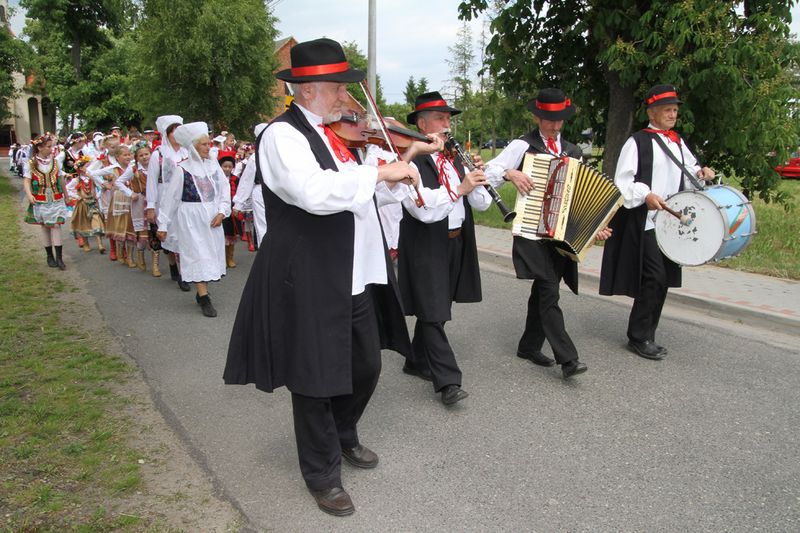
(45,184)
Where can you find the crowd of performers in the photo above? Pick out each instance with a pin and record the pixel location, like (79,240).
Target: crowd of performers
(177,189)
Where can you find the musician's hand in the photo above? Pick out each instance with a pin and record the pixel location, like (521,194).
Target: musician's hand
(603,234)
(399,171)
(162,235)
(478,160)
(217,220)
(654,201)
(521,181)
(705,173)
(470,181)
(150,214)
(424,148)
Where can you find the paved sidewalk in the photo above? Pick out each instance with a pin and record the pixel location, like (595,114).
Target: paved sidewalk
(771,303)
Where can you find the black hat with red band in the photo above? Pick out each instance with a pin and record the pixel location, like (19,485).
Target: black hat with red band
(662,95)
(432,101)
(551,104)
(319,60)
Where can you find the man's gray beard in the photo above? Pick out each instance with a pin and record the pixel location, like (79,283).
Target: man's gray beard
(332,117)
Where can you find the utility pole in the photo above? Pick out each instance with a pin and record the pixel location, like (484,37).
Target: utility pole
(371,75)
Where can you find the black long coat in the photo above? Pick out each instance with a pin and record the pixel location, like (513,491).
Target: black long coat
(423,263)
(294,322)
(623,252)
(539,259)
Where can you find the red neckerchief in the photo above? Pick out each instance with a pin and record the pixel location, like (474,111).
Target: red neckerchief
(341,151)
(552,147)
(441,162)
(670,134)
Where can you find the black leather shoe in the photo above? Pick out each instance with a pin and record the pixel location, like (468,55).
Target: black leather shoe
(334,501)
(537,358)
(51,262)
(452,394)
(411,370)
(205,306)
(647,349)
(182,285)
(661,349)
(360,456)
(573,368)
(60,264)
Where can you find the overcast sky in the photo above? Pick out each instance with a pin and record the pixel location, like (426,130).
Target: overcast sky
(412,35)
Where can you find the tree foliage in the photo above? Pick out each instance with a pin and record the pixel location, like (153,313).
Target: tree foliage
(730,60)
(213,61)
(358,60)
(15,56)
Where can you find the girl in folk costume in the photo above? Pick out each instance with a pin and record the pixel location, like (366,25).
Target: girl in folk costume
(133,183)
(231,225)
(73,152)
(117,205)
(87,220)
(163,168)
(194,206)
(44,188)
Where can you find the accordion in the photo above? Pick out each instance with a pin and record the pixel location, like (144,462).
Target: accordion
(569,203)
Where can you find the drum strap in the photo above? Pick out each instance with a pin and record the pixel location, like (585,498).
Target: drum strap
(697,185)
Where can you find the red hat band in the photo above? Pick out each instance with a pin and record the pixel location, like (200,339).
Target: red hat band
(657,97)
(433,103)
(560,106)
(317,70)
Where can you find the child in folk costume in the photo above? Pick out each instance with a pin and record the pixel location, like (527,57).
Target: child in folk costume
(231,225)
(117,204)
(133,183)
(87,219)
(44,188)
(194,206)
(248,201)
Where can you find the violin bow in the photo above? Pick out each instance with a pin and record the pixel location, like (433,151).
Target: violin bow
(414,191)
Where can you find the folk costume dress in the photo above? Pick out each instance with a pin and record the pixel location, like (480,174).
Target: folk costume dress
(49,208)
(134,180)
(87,220)
(161,170)
(189,204)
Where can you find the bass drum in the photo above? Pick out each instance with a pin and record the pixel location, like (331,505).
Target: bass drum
(722,222)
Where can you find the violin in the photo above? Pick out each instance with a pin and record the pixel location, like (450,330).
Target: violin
(358,130)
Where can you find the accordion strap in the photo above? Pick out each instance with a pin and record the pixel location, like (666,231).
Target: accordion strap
(694,181)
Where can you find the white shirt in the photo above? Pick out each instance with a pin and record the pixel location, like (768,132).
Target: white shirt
(439,204)
(666,174)
(244,189)
(291,171)
(163,165)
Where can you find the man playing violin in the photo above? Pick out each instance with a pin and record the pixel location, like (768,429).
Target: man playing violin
(438,261)
(307,316)
(538,259)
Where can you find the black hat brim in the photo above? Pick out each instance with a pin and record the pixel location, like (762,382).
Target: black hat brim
(564,114)
(412,117)
(665,101)
(348,76)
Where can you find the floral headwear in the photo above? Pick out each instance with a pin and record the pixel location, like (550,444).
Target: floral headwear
(41,139)
(82,162)
(138,145)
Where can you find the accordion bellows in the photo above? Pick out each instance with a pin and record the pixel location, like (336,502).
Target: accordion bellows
(569,203)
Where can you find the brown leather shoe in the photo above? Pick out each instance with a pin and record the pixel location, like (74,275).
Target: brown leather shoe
(360,456)
(334,501)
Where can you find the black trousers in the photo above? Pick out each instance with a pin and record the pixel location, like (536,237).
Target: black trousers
(545,321)
(430,344)
(646,310)
(323,426)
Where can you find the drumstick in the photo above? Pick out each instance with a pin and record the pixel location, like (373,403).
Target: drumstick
(685,220)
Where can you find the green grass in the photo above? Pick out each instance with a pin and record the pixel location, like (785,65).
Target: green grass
(64,456)
(774,251)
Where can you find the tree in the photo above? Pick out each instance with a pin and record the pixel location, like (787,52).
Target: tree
(214,61)
(461,63)
(15,56)
(729,59)
(357,60)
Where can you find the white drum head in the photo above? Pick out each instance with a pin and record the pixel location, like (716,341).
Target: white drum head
(698,242)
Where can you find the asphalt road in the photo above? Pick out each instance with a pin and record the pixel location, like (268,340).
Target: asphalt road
(706,440)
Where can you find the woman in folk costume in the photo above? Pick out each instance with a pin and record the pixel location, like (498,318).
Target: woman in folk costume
(194,206)
(231,225)
(118,207)
(44,188)
(133,183)
(163,166)
(87,220)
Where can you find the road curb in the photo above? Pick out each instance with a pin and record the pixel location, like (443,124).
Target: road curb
(761,318)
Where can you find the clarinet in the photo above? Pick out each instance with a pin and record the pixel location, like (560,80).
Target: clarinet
(452,145)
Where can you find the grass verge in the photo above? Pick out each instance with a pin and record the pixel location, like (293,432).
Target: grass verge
(774,251)
(64,461)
